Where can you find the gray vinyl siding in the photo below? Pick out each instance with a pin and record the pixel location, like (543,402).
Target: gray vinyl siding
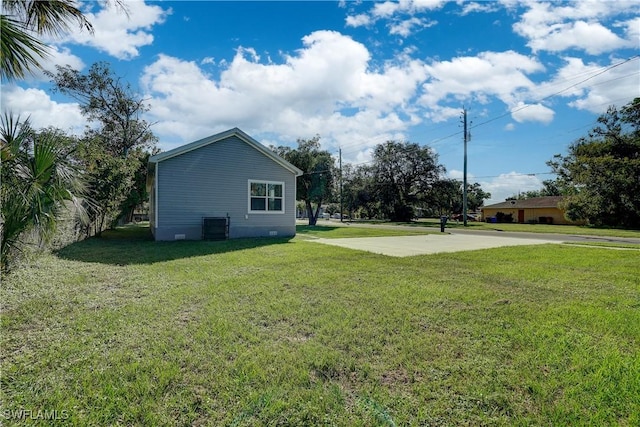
(212,181)
(152,199)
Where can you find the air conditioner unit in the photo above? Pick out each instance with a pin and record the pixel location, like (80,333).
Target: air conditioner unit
(215,228)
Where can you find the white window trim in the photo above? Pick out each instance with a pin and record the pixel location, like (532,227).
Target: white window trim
(265,212)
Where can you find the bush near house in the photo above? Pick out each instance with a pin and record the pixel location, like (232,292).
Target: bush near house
(502,217)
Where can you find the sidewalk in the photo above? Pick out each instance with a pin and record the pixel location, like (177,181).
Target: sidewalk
(401,246)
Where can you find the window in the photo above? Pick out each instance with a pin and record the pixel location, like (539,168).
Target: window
(266,196)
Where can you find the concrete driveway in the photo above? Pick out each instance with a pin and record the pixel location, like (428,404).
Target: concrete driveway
(401,246)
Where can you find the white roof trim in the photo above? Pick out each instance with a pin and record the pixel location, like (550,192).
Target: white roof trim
(219,137)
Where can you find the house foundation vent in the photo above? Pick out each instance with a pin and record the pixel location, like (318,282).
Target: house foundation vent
(215,228)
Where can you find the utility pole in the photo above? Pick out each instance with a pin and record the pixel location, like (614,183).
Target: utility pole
(464,182)
(340,153)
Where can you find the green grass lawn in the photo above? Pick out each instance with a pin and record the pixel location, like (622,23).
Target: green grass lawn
(126,331)
(433,223)
(336,230)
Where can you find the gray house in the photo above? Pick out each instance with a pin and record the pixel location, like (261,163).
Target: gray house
(227,185)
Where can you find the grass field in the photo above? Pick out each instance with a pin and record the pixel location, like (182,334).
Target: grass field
(126,331)
(434,223)
(331,230)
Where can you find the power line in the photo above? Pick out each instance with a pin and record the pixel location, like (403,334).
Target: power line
(590,77)
(514,174)
(609,68)
(599,72)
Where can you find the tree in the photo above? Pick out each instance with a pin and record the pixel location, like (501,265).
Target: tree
(404,174)
(550,188)
(21,51)
(138,194)
(358,191)
(106,99)
(113,154)
(109,179)
(315,185)
(476,196)
(447,197)
(38,179)
(600,176)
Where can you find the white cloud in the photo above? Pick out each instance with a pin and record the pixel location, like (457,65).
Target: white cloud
(42,110)
(400,13)
(580,25)
(121,34)
(439,114)
(592,37)
(509,127)
(457,174)
(414,6)
(506,76)
(427,4)
(386,9)
(509,184)
(330,69)
(62,56)
(532,113)
(594,86)
(359,20)
(500,74)
(502,186)
(475,7)
(632,29)
(406,28)
(57,56)
(326,88)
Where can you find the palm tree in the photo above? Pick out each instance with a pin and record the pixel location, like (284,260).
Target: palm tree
(22,21)
(37,181)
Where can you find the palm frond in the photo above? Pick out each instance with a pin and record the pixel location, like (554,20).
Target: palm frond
(38,181)
(53,17)
(20,52)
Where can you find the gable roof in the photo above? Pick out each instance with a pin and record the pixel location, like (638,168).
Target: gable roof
(533,202)
(153,160)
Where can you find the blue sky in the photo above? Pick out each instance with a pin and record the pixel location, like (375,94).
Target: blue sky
(533,76)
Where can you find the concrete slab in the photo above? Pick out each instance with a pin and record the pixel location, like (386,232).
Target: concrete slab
(402,246)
